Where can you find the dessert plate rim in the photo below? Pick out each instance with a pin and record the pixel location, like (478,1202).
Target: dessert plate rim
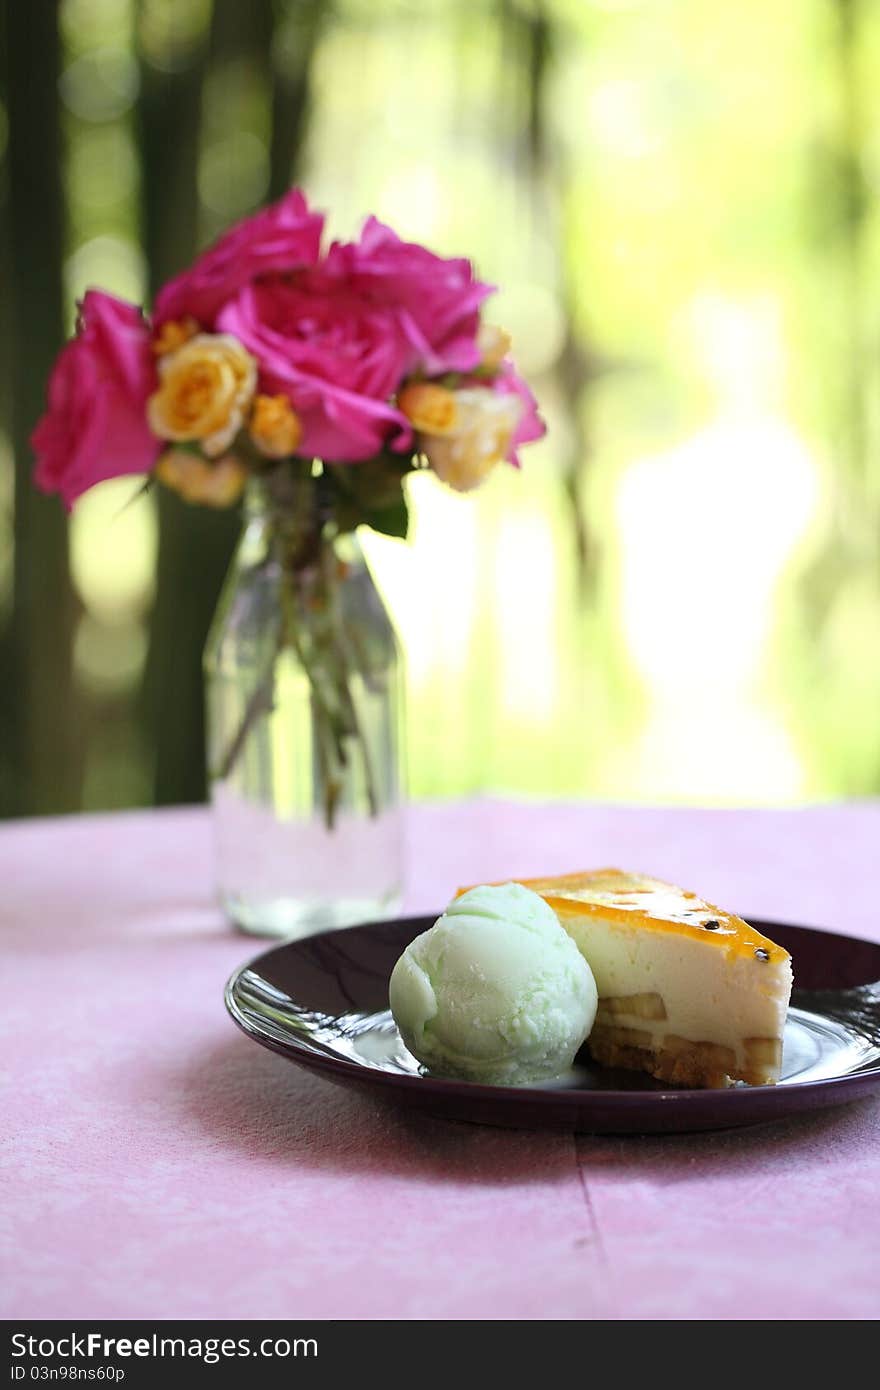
(632,1109)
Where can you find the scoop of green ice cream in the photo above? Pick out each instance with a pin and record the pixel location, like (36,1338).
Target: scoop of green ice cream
(496,991)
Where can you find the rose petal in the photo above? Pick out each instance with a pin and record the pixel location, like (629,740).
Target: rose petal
(95,425)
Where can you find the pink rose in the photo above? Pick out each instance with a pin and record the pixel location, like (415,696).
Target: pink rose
(530,426)
(437,301)
(337,353)
(95,426)
(283,237)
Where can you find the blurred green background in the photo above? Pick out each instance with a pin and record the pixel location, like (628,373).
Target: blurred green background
(678,599)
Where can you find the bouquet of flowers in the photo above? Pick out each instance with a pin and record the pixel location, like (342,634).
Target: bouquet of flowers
(326,374)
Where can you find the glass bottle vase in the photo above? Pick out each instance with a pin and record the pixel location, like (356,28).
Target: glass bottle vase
(303,695)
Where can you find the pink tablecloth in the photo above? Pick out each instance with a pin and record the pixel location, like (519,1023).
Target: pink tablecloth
(158,1164)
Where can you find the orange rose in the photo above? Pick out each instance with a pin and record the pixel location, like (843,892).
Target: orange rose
(173,335)
(486,421)
(205,389)
(275,426)
(217,484)
(429,408)
(494,345)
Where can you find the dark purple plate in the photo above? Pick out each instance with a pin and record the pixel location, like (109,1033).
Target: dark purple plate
(323,1002)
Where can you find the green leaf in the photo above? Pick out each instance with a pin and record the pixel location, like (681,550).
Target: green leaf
(390,521)
(370,493)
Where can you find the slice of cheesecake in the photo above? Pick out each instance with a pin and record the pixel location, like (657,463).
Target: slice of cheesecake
(687,992)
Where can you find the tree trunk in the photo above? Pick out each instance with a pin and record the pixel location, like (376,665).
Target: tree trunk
(194,544)
(42,762)
(292,93)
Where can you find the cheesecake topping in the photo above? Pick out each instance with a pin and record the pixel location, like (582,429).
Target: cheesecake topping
(616,896)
